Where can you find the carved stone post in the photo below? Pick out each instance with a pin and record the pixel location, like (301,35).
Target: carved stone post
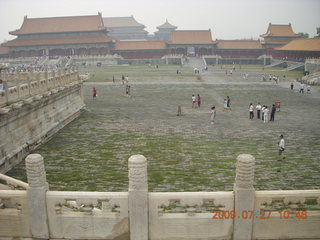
(138,198)
(36,193)
(46,77)
(59,77)
(244,194)
(5,86)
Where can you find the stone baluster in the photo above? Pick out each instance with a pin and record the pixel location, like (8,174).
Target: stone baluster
(244,194)
(138,198)
(5,85)
(38,78)
(46,77)
(54,78)
(59,77)
(36,194)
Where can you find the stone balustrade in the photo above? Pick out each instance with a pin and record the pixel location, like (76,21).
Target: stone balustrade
(188,215)
(239,214)
(11,182)
(34,83)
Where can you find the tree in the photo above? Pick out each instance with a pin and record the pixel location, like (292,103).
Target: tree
(303,35)
(318,32)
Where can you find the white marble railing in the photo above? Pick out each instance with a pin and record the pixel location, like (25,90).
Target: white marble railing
(14,214)
(34,84)
(138,215)
(189,215)
(12,182)
(100,215)
(313,60)
(289,214)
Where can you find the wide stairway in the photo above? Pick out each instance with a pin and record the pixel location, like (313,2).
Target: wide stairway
(195,62)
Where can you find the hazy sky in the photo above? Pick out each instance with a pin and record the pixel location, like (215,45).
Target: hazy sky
(227,19)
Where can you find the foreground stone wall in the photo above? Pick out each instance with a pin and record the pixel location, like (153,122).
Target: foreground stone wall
(242,214)
(26,124)
(312,65)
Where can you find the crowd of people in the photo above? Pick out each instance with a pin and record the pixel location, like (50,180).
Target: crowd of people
(262,112)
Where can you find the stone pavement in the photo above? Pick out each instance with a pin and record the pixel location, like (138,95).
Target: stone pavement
(186,153)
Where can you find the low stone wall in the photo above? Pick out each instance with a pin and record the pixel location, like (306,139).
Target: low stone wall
(95,60)
(27,123)
(312,65)
(241,214)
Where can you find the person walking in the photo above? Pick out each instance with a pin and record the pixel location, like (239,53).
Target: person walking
(301,88)
(225,104)
(262,112)
(281,146)
(213,114)
(94,93)
(228,102)
(265,115)
(291,86)
(251,111)
(194,100)
(199,100)
(273,112)
(258,107)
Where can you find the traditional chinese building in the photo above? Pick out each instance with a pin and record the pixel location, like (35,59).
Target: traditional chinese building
(191,42)
(239,48)
(125,28)
(141,49)
(300,49)
(277,36)
(4,51)
(76,35)
(164,31)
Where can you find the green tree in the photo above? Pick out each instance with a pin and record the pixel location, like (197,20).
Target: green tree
(303,35)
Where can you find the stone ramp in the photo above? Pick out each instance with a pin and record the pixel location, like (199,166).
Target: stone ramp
(276,63)
(296,66)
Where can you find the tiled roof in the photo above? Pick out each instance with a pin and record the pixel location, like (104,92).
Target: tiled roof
(60,24)
(239,44)
(3,50)
(302,44)
(191,37)
(279,31)
(140,45)
(121,22)
(129,32)
(47,41)
(167,25)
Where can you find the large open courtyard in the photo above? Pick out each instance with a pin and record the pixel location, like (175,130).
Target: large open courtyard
(185,153)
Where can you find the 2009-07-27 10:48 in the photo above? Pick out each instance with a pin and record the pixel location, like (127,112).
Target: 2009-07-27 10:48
(258,214)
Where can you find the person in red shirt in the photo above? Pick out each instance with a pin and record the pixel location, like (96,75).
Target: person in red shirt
(94,93)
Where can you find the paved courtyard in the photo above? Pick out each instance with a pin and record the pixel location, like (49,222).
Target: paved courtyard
(185,153)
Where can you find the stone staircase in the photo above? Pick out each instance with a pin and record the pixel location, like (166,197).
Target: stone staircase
(312,79)
(195,62)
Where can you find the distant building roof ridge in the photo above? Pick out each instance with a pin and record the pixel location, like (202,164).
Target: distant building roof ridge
(60,24)
(279,30)
(191,37)
(239,44)
(302,44)
(122,22)
(167,25)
